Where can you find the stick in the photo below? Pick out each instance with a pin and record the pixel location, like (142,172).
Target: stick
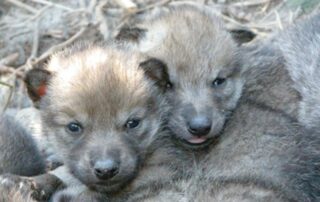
(10,94)
(23,5)
(127,4)
(250,3)
(60,46)
(6,69)
(10,59)
(53,4)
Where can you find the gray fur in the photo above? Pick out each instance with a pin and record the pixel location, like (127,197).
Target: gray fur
(262,154)
(300,45)
(194,64)
(19,153)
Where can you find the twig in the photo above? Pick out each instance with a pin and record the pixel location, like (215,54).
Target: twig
(249,3)
(92,5)
(278,7)
(23,24)
(266,7)
(6,69)
(103,26)
(10,59)
(60,46)
(35,42)
(151,6)
(10,94)
(39,13)
(53,4)
(278,20)
(146,8)
(127,4)
(23,5)
(229,19)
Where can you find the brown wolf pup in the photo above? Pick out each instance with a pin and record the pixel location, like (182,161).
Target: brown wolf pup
(103,111)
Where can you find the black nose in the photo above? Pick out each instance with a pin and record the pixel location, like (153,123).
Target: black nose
(106,169)
(199,126)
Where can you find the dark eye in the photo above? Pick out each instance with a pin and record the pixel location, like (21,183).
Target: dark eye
(74,128)
(169,85)
(133,123)
(218,81)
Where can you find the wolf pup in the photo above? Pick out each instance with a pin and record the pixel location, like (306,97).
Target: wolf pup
(203,66)
(260,152)
(102,112)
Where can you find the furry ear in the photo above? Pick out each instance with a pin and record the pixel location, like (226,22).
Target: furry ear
(36,81)
(132,34)
(157,71)
(242,35)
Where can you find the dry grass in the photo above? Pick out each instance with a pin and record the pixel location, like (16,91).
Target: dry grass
(31,30)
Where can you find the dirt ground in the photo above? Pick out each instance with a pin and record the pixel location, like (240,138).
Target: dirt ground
(31,30)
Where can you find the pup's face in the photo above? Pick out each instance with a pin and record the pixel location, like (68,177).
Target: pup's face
(203,91)
(202,97)
(102,113)
(203,63)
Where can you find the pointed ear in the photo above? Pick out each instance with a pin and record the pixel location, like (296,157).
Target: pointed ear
(157,71)
(36,81)
(132,34)
(242,36)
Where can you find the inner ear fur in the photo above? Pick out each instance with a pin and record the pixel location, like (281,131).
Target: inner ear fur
(242,35)
(157,71)
(36,81)
(132,34)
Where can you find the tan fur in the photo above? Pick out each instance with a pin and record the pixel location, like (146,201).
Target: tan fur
(102,87)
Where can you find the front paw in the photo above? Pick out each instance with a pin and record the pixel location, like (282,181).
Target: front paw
(77,194)
(18,185)
(39,187)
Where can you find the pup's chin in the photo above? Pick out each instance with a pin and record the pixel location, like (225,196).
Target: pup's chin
(108,189)
(197,142)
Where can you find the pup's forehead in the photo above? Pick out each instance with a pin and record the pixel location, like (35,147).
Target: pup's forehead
(99,81)
(203,48)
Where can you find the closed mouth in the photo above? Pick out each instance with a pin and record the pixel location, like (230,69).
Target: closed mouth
(101,187)
(197,142)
